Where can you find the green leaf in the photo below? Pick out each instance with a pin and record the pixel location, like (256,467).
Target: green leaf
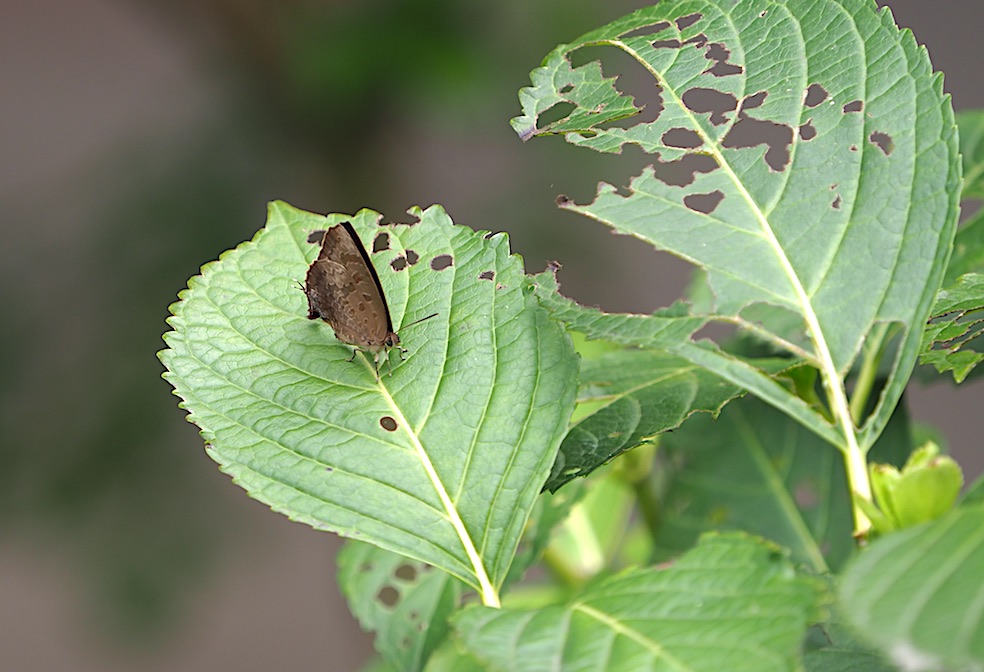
(958,317)
(628,397)
(442,459)
(732,603)
(775,112)
(968,245)
(405,602)
(755,470)
(841,652)
(917,594)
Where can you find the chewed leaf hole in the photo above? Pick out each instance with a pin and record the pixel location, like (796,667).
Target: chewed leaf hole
(406,572)
(685,22)
(651,29)
(399,263)
(412,257)
(683,171)
(316,236)
(555,113)
(750,132)
(853,106)
(815,94)
(808,131)
(440,262)
(486,275)
(381,242)
(882,141)
(718,53)
(682,138)
(388,596)
(388,423)
(704,203)
(838,202)
(710,101)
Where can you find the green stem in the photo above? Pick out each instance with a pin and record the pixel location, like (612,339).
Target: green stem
(874,348)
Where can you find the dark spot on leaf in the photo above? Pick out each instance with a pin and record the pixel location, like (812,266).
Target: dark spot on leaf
(651,29)
(486,275)
(329,469)
(316,237)
(753,101)
(815,94)
(853,106)
(685,22)
(750,132)
(498,286)
(718,53)
(716,103)
(388,596)
(388,423)
(704,203)
(555,113)
(381,242)
(440,262)
(834,186)
(808,131)
(763,13)
(838,201)
(406,572)
(882,141)
(399,263)
(413,615)
(684,138)
(683,171)
(853,148)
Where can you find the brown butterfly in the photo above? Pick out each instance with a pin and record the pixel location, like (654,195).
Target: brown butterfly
(343,290)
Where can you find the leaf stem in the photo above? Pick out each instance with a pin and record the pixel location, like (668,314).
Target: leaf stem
(874,347)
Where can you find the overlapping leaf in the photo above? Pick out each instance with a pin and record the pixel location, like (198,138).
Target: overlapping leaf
(918,593)
(958,318)
(774,112)
(441,459)
(732,603)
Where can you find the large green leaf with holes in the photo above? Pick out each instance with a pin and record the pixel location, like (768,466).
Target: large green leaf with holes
(441,456)
(804,157)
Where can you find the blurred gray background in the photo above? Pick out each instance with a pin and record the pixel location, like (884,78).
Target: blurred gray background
(138,141)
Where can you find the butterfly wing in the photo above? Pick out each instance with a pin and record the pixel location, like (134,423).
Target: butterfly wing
(343,289)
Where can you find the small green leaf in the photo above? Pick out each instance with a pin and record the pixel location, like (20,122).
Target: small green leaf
(841,652)
(405,602)
(439,460)
(917,594)
(732,603)
(926,488)
(958,317)
(968,245)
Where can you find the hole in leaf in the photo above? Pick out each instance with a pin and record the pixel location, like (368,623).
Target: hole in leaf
(316,236)
(651,29)
(683,138)
(815,94)
(683,171)
(808,131)
(566,88)
(486,275)
(440,262)
(710,101)
(406,571)
(388,596)
(399,263)
(718,53)
(853,106)
(838,201)
(388,423)
(555,113)
(412,257)
(750,132)
(704,203)
(882,141)
(685,22)
(753,101)
(381,242)
(698,41)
